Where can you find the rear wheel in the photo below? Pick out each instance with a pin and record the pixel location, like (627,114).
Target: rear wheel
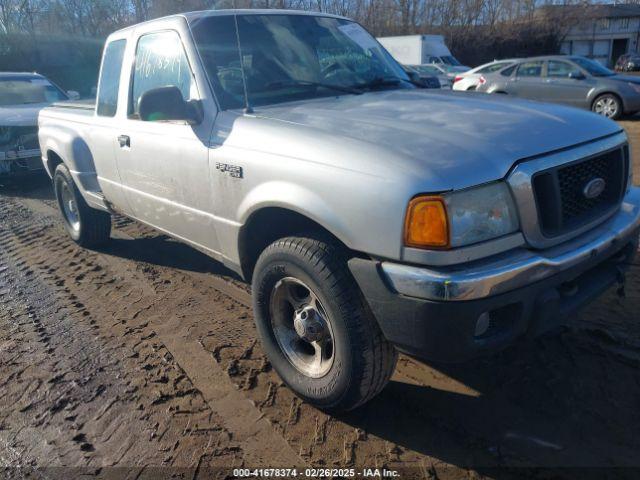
(88,227)
(608,105)
(316,327)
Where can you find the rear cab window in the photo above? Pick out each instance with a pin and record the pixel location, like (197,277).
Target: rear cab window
(109,83)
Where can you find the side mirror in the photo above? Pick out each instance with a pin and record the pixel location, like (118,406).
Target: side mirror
(73,95)
(576,76)
(167,104)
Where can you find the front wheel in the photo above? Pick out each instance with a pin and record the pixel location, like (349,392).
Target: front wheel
(608,105)
(316,327)
(87,227)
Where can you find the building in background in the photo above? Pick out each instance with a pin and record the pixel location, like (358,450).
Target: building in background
(601,32)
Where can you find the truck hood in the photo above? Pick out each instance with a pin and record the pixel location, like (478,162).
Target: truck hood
(20,115)
(452,139)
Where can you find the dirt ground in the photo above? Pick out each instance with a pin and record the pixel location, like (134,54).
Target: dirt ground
(141,361)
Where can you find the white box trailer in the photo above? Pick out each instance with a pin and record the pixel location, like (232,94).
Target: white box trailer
(419,49)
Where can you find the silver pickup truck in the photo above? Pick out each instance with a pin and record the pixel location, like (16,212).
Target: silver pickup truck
(369,216)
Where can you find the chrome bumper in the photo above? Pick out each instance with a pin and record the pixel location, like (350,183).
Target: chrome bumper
(519,267)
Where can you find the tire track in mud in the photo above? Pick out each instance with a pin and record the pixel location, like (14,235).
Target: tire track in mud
(76,384)
(432,423)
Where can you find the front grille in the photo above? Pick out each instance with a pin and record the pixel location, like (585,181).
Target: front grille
(559,192)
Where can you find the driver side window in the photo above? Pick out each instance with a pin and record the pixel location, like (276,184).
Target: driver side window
(160,62)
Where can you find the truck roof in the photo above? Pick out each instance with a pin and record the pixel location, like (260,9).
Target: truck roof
(189,16)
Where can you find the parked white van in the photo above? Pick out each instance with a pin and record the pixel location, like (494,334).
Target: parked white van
(419,50)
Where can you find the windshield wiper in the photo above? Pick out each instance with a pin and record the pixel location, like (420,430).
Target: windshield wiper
(305,83)
(382,82)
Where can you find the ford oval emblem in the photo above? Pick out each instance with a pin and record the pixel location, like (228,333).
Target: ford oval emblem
(594,188)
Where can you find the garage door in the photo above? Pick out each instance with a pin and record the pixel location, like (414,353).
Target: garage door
(581,47)
(601,48)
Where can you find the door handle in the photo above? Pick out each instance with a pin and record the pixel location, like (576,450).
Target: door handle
(124,141)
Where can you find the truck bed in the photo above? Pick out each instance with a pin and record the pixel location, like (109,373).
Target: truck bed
(81,111)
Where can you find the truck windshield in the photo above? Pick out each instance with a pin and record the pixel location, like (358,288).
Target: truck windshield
(291,57)
(26,90)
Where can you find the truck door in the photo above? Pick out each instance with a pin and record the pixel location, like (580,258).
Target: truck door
(164,164)
(102,134)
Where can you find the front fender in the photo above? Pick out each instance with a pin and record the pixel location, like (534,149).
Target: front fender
(294,197)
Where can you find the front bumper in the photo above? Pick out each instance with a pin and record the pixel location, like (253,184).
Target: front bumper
(435,314)
(20,162)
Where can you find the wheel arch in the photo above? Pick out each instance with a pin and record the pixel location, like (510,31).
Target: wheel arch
(60,142)
(52,160)
(270,223)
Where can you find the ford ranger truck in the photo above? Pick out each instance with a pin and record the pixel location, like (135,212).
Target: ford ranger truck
(369,216)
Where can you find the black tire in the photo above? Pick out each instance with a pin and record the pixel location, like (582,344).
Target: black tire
(87,226)
(363,360)
(613,104)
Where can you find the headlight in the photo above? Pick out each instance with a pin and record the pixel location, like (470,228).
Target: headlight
(461,218)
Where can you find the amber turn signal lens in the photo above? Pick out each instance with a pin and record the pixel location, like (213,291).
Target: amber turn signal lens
(426,225)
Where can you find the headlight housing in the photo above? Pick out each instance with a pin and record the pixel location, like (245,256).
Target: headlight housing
(461,218)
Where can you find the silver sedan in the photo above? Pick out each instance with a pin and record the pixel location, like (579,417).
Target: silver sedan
(569,80)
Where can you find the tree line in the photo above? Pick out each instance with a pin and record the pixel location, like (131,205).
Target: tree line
(97,18)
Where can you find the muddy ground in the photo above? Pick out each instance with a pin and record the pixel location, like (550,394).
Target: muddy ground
(140,360)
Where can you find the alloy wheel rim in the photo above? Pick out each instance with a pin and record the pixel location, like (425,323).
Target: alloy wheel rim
(607,107)
(301,327)
(70,207)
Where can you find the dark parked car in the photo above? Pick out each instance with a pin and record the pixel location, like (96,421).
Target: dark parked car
(569,80)
(22,96)
(629,62)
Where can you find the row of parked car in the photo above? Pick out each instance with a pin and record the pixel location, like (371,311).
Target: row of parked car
(569,80)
